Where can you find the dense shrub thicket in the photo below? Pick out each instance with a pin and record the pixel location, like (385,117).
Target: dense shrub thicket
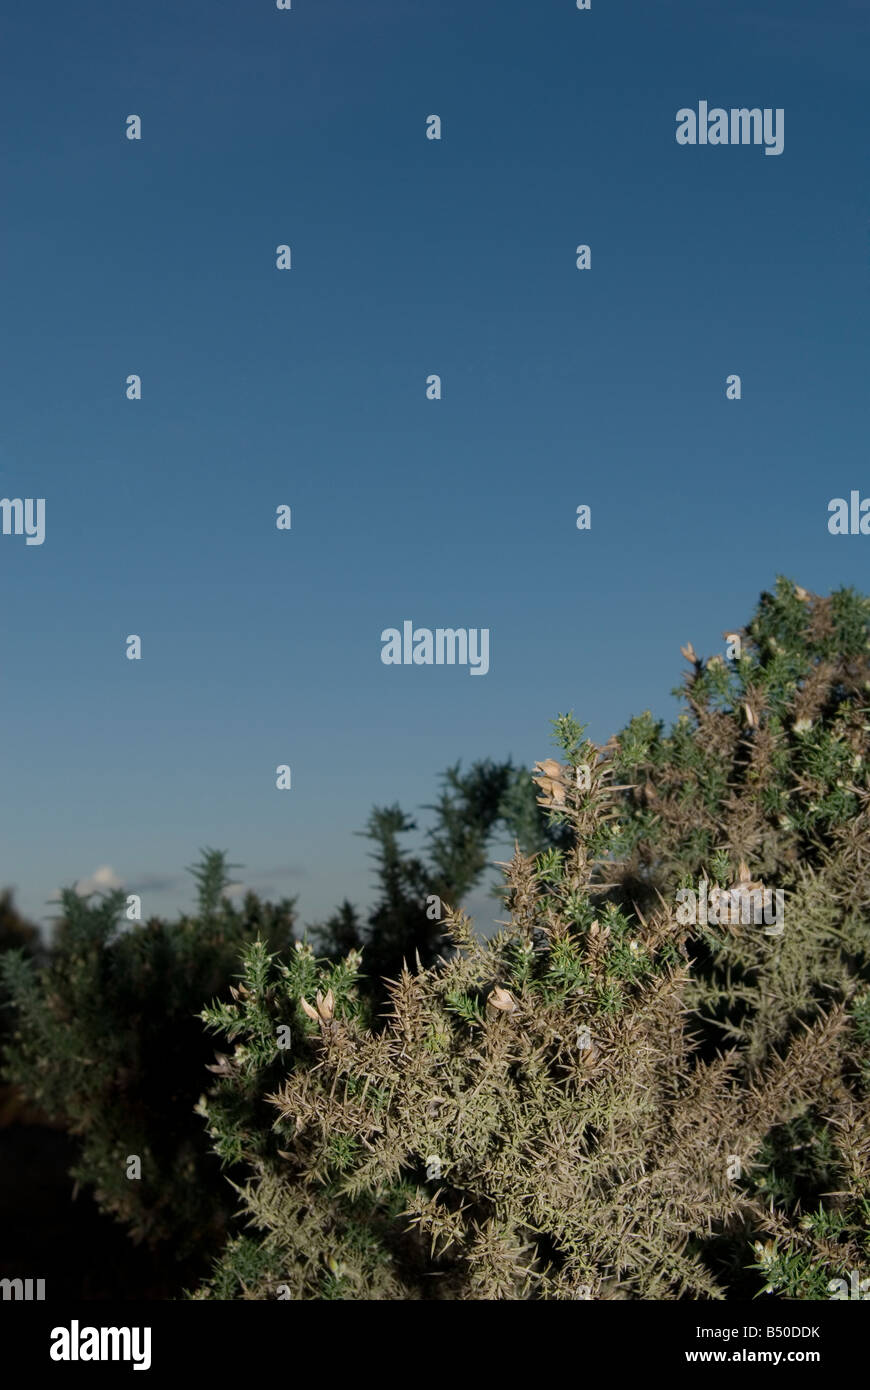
(106,1040)
(104,1037)
(614,1097)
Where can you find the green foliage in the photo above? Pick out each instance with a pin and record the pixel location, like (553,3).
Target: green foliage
(605,1099)
(16,933)
(105,1038)
(406,922)
(19,944)
(615,1102)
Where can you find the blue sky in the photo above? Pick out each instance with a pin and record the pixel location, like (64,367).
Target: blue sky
(307,387)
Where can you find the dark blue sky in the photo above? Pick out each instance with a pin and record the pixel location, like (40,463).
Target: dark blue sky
(307,387)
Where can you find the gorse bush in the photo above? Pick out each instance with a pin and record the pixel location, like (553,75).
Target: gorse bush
(610,1098)
(503,1135)
(769,765)
(405,924)
(602,1100)
(103,1034)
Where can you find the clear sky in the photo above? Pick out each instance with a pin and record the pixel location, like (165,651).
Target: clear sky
(307,387)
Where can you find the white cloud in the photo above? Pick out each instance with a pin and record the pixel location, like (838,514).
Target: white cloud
(102,880)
